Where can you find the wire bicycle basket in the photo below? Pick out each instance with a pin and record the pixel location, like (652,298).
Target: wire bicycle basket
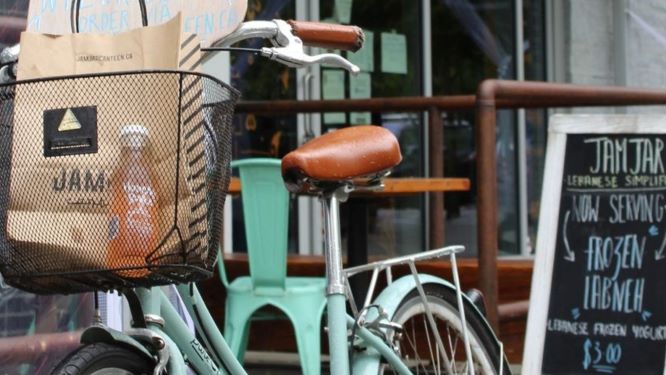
(78,214)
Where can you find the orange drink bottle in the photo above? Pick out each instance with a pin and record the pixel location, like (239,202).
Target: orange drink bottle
(133,225)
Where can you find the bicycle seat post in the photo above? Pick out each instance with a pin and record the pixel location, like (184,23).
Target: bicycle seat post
(332,238)
(331,166)
(335,282)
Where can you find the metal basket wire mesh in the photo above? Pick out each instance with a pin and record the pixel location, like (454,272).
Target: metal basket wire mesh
(112,180)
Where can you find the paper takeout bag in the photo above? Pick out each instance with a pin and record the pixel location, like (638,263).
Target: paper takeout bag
(59,203)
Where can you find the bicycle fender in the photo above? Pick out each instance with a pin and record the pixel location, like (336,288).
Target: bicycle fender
(108,335)
(367,362)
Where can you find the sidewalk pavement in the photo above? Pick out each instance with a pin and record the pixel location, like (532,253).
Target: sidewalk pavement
(278,363)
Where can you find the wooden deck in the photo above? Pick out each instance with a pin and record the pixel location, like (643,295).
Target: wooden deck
(514,286)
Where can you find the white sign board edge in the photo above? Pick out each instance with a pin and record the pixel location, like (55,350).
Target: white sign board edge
(209,19)
(542,274)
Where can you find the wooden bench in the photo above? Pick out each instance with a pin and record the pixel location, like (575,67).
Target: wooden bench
(399,186)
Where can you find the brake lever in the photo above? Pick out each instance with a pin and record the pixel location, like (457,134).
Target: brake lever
(297,59)
(286,48)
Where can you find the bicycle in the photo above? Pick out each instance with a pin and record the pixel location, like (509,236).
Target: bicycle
(381,337)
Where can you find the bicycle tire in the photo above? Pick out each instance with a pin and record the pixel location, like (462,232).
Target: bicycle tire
(443,304)
(104,359)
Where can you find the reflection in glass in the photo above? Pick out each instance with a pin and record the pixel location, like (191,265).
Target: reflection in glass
(472,41)
(270,136)
(535,119)
(394,225)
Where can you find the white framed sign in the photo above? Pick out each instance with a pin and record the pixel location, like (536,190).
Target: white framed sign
(598,303)
(209,19)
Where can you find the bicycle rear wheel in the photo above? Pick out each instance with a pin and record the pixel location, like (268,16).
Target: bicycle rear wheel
(418,345)
(104,359)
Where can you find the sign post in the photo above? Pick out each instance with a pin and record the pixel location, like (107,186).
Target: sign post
(598,299)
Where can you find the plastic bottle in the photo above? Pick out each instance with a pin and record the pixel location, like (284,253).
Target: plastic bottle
(133,225)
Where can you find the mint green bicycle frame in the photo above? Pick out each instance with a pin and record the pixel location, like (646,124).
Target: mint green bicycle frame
(212,355)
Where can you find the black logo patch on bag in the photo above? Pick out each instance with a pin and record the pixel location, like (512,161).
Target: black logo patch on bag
(70,131)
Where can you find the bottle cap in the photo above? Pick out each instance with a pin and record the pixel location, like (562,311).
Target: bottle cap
(134,136)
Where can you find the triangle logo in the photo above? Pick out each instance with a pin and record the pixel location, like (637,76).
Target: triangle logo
(69,122)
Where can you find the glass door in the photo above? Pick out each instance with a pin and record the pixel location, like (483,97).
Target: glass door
(273,136)
(258,135)
(391,65)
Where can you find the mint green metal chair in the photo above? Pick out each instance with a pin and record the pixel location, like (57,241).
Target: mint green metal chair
(301,299)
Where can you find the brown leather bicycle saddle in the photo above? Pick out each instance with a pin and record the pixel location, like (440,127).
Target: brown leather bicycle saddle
(343,155)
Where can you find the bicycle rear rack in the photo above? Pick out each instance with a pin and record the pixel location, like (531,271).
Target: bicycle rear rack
(410,260)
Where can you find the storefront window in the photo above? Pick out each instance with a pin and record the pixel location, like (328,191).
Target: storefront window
(13,14)
(391,66)
(535,120)
(473,40)
(258,78)
(271,136)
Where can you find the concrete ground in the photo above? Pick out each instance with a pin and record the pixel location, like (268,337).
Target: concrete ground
(274,363)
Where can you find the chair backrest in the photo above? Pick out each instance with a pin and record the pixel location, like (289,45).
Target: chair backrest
(266,215)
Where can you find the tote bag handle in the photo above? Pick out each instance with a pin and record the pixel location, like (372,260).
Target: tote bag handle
(76,7)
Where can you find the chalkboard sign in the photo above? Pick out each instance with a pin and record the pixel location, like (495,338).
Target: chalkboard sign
(598,299)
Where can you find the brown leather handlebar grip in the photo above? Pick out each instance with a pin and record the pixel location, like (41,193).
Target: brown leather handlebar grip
(326,35)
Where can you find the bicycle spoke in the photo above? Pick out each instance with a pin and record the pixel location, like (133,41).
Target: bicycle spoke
(440,351)
(412,345)
(427,335)
(444,358)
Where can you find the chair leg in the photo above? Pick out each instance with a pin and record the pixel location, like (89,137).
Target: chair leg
(236,334)
(309,347)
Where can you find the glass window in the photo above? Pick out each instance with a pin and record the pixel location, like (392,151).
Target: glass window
(394,225)
(255,135)
(13,16)
(473,40)
(535,120)
(258,78)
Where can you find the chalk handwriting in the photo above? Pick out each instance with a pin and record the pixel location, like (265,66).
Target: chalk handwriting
(612,155)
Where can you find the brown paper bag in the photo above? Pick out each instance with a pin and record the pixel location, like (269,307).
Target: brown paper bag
(68,195)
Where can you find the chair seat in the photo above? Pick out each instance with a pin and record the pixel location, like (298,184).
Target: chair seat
(302,302)
(293,285)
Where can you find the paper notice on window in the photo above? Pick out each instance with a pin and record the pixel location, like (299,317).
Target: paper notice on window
(333,87)
(360,87)
(365,57)
(343,9)
(394,53)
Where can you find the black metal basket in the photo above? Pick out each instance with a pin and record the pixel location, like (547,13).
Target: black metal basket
(83,206)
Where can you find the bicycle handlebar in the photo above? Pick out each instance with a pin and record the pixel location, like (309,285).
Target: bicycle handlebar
(317,34)
(287,38)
